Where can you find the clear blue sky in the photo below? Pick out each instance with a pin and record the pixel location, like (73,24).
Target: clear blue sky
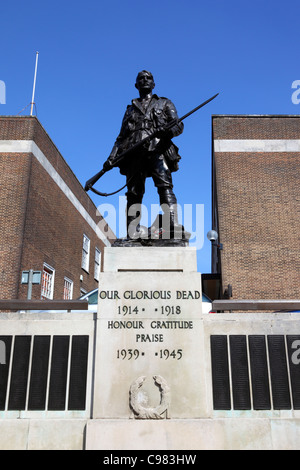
(91,51)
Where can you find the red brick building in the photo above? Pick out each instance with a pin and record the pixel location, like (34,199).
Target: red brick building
(47,221)
(256,205)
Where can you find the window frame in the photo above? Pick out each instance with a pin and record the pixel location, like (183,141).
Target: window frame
(51,291)
(97,264)
(71,283)
(85,254)
(83,291)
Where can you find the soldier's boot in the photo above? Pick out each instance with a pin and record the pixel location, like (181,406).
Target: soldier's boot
(170,227)
(133,217)
(176,229)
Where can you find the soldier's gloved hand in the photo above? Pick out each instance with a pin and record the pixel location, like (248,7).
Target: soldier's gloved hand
(176,129)
(163,133)
(170,132)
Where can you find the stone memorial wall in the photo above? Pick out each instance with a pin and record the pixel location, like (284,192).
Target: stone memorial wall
(149,369)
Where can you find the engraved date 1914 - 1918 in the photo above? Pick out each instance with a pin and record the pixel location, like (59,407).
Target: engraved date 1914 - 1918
(164,310)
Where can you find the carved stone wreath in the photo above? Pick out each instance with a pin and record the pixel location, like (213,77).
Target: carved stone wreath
(141,412)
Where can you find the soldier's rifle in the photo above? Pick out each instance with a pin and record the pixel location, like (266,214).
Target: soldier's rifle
(90,183)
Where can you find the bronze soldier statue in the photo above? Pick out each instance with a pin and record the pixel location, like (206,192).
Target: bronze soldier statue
(144,148)
(157,159)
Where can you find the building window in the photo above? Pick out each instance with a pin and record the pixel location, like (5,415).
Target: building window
(47,282)
(82,292)
(97,264)
(85,253)
(68,289)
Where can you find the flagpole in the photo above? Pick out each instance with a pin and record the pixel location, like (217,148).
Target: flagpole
(34,82)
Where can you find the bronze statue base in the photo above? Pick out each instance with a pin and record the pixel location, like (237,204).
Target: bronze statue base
(129,242)
(155,236)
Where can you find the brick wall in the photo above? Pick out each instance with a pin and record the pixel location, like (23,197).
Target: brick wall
(256,194)
(38,223)
(14,179)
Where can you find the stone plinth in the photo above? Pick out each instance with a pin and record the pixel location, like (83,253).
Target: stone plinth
(148,350)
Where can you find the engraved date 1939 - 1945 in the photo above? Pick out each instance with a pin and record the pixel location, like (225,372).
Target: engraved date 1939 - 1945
(128,354)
